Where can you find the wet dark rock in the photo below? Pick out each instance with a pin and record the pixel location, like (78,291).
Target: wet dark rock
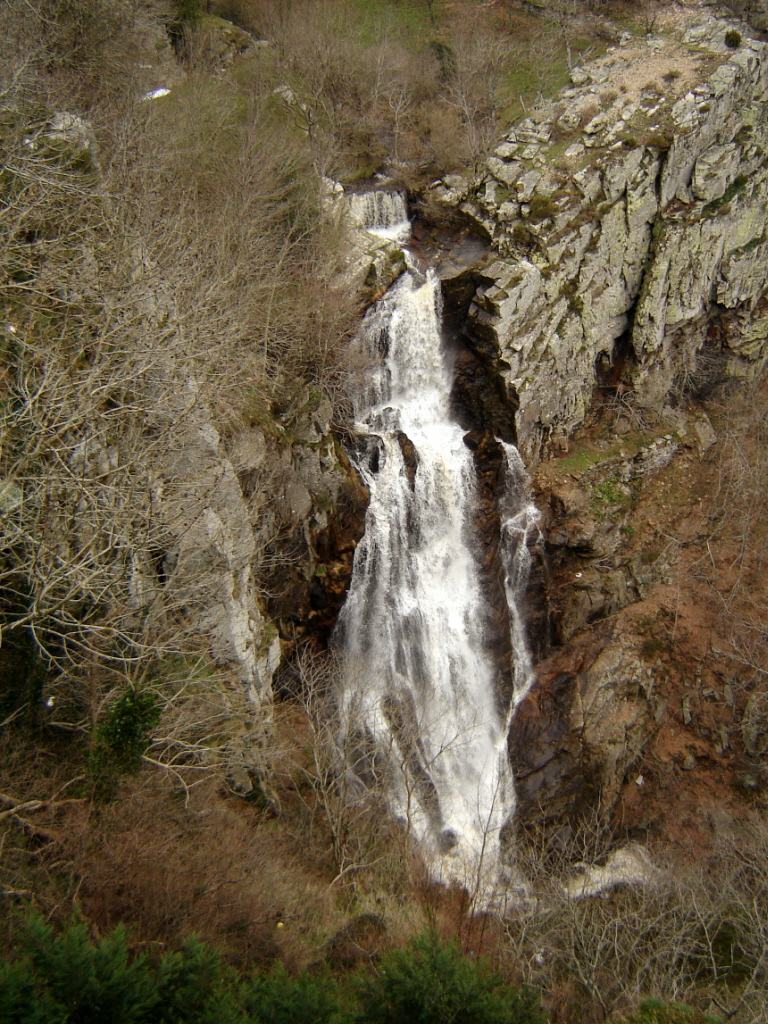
(335,550)
(447,840)
(479,398)
(308,531)
(585,720)
(489,460)
(410,456)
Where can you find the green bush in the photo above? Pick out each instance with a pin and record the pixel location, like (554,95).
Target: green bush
(188,11)
(121,739)
(191,986)
(19,1000)
(279,998)
(65,978)
(430,982)
(733,39)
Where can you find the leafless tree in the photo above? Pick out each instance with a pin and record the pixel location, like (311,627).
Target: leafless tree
(695,932)
(158,274)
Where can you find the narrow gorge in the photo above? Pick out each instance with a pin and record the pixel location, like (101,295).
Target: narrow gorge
(421,704)
(635,280)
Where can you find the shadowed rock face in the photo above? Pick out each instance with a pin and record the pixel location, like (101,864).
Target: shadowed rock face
(488,457)
(335,549)
(624,248)
(479,399)
(308,516)
(580,727)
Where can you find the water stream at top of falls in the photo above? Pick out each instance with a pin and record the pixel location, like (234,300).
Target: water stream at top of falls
(381,213)
(419,702)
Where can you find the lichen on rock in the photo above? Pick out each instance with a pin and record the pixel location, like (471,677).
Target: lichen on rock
(637,234)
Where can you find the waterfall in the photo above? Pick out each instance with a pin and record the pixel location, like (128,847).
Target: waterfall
(381,213)
(418,702)
(519,518)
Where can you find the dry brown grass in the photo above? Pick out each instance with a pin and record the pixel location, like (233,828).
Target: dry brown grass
(219,869)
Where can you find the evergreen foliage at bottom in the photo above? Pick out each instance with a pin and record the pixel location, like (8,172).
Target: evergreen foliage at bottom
(431,982)
(65,977)
(279,998)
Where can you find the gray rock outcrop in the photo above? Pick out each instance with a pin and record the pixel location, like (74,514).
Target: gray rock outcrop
(373,259)
(629,223)
(206,565)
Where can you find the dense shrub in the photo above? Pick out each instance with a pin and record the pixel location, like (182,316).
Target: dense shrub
(279,998)
(66,978)
(429,982)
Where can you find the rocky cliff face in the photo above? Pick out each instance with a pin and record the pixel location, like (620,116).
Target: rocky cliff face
(585,722)
(208,562)
(641,712)
(628,220)
(305,507)
(259,532)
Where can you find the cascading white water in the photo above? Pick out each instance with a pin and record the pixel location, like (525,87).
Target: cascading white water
(418,698)
(519,518)
(381,213)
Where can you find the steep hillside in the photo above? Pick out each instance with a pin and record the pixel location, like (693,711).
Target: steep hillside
(187,192)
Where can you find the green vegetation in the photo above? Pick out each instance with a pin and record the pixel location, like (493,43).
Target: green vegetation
(409,22)
(541,207)
(655,1011)
(733,39)
(188,12)
(608,499)
(122,737)
(68,977)
(428,982)
(578,461)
